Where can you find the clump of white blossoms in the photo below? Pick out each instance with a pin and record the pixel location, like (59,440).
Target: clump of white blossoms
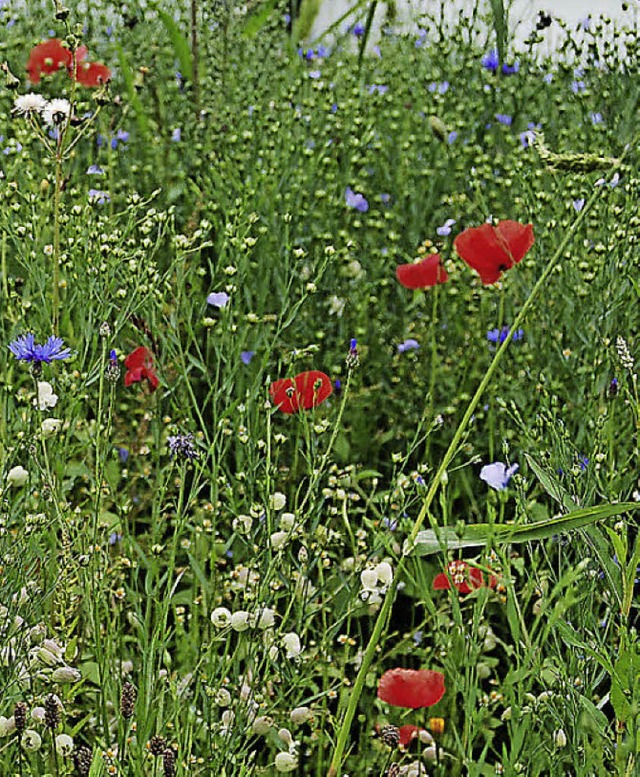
(17,476)
(375,582)
(287,761)
(56,112)
(46,398)
(27,104)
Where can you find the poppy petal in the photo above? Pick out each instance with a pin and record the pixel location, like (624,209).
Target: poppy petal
(413,688)
(423,274)
(313,387)
(138,358)
(407,734)
(441,582)
(518,238)
(92,73)
(491,250)
(283,392)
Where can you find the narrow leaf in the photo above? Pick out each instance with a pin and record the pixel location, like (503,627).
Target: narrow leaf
(127,75)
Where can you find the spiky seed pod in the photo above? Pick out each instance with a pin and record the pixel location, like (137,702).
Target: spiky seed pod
(82,759)
(390,735)
(51,711)
(20,716)
(157,745)
(128,700)
(169,762)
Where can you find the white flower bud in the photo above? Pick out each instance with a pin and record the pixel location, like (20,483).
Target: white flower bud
(50,426)
(278,501)
(242,524)
(287,521)
(222,697)
(31,740)
(369,579)
(7,726)
(278,539)
(240,620)
(300,715)
(286,762)
(262,725)
(66,674)
(64,745)
(273,653)
(221,617)
(17,476)
(291,642)
(559,739)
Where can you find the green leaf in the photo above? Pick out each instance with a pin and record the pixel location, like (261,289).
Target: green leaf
(551,485)
(500,27)
(179,42)
(430,541)
(134,100)
(258,19)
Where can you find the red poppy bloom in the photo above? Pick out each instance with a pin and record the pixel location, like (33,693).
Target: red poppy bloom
(414,688)
(51,56)
(491,250)
(409,732)
(305,391)
(92,73)
(423,274)
(463,577)
(139,366)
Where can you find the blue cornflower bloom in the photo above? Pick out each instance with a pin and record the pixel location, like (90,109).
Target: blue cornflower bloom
(504,118)
(408,345)
(491,61)
(356,200)
(509,70)
(451,137)
(357,29)
(498,475)
(246,356)
(498,336)
(26,349)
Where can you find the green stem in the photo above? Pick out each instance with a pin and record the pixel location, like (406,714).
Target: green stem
(56,242)
(385,610)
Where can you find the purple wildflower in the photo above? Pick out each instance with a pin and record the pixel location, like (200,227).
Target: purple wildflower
(219,299)
(25,348)
(408,345)
(356,200)
(498,475)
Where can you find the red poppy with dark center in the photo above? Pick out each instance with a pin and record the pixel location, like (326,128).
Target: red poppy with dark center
(463,577)
(51,56)
(423,274)
(307,390)
(139,366)
(92,73)
(491,250)
(414,688)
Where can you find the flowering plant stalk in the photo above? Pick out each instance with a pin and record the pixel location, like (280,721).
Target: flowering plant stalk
(385,610)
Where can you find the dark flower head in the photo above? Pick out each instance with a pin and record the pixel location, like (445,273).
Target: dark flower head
(182,446)
(414,688)
(491,250)
(26,349)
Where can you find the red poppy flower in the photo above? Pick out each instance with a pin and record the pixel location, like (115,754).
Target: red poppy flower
(414,688)
(92,73)
(463,577)
(423,274)
(139,366)
(305,391)
(491,250)
(408,733)
(51,56)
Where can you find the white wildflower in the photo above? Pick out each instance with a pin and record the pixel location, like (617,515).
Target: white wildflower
(291,642)
(46,397)
(64,745)
(17,476)
(300,715)
(240,620)
(221,617)
(66,674)
(56,112)
(286,762)
(25,104)
(278,501)
(51,426)
(31,740)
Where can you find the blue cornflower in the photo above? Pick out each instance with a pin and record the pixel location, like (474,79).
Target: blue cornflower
(356,200)
(498,475)
(315,74)
(408,345)
(445,229)
(498,336)
(504,118)
(357,29)
(246,356)
(451,137)
(491,61)
(95,170)
(26,349)
(509,70)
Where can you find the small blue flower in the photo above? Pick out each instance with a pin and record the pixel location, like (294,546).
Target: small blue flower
(596,118)
(315,74)
(509,70)
(246,356)
(498,475)
(385,198)
(408,345)
(219,299)
(578,205)
(498,336)
(95,170)
(26,349)
(445,229)
(357,29)
(491,61)
(98,196)
(123,455)
(356,200)
(451,137)
(379,88)
(504,118)
(577,86)
(176,135)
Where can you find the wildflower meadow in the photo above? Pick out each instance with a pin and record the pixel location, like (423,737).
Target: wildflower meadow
(319,404)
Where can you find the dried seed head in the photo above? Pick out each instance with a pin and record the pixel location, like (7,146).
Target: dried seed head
(169,762)
(393,770)
(390,735)
(128,700)
(52,711)
(157,745)
(20,716)
(82,759)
